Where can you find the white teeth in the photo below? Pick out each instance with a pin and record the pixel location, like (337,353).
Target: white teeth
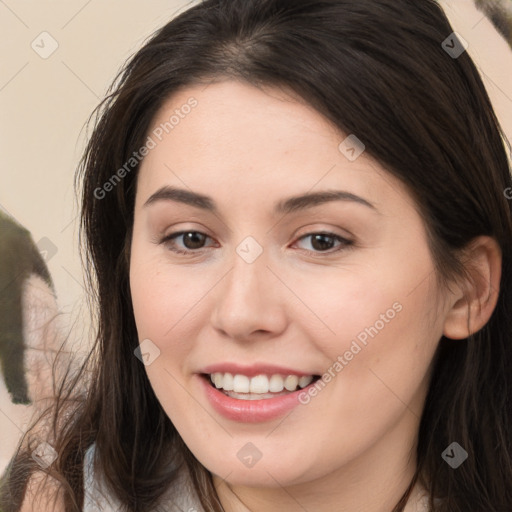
(227,385)
(241,383)
(291,382)
(260,384)
(306,380)
(276,384)
(218,380)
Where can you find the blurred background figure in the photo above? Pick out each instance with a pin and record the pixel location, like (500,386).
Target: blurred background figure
(500,13)
(29,337)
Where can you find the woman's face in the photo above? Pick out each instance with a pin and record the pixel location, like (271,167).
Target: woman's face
(277,288)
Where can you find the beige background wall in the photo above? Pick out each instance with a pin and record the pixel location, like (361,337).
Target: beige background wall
(44,103)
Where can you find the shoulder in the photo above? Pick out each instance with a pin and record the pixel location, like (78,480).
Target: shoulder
(181,496)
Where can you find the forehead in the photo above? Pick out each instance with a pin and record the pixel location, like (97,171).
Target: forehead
(233,120)
(250,148)
(231,105)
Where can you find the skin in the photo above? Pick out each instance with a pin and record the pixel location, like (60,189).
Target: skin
(352,446)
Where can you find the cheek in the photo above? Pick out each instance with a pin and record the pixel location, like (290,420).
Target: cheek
(159,302)
(163,298)
(384,305)
(166,303)
(380,338)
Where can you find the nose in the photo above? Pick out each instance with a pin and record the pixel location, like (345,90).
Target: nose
(250,301)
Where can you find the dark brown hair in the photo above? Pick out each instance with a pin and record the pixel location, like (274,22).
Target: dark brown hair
(374,68)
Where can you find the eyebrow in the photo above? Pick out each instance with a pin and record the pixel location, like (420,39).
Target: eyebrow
(289,205)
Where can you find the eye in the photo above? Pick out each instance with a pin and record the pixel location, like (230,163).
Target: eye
(192,241)
(323,242)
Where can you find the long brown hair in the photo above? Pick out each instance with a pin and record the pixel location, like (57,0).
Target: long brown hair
(376,68)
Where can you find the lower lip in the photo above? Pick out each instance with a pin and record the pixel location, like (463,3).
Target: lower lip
(251,411)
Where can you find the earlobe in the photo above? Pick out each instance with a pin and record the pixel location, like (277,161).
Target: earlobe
(473,307)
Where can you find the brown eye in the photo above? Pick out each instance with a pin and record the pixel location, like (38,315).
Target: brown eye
(324,242)
(191,240)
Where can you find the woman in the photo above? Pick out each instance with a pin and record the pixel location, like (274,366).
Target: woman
(296,214)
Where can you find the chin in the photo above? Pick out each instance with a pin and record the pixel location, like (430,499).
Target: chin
(271,471)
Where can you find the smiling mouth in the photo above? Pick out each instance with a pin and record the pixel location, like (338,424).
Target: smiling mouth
(259,387)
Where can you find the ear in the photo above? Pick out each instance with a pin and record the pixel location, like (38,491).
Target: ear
(474,304)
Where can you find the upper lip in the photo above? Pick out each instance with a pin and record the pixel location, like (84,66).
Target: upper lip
(252,370)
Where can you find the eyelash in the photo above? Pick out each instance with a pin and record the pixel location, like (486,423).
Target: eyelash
(345,243)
